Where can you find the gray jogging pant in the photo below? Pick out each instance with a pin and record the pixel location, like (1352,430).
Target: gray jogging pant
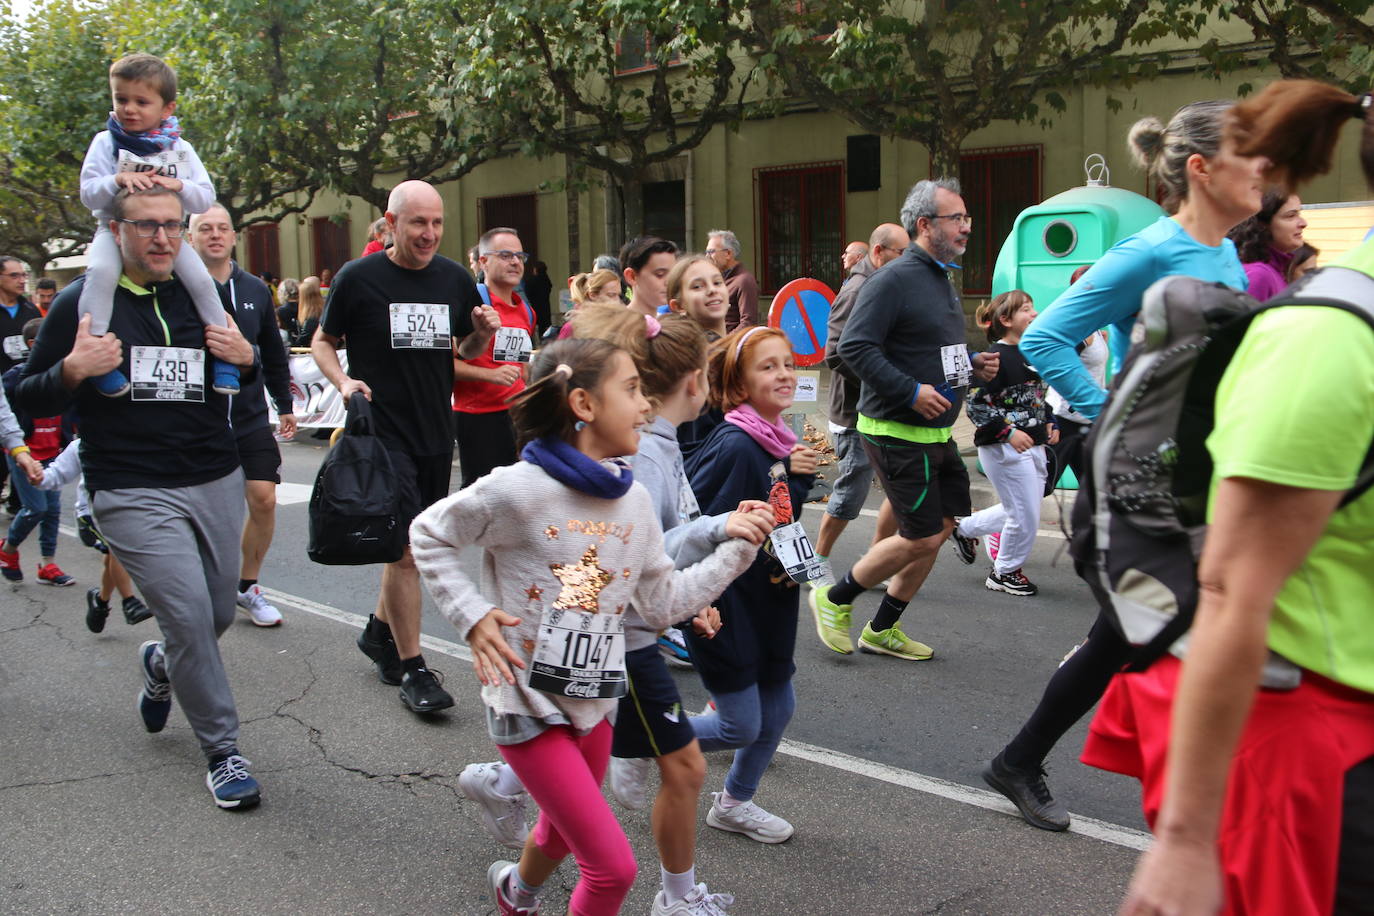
(181,546)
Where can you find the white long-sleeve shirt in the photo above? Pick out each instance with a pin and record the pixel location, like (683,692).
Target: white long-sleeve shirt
(98,188)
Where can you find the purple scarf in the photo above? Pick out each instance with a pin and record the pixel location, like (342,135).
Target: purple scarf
(147,142)
(776,439)
(567,465)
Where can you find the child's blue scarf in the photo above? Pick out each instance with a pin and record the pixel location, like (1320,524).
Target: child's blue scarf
(147,142)
(565,464)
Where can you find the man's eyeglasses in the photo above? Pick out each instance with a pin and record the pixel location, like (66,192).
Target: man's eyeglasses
(16,275)
(147,228)
(964,219)
(521,256)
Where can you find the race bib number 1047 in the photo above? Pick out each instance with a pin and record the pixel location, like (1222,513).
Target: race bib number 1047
(580,655)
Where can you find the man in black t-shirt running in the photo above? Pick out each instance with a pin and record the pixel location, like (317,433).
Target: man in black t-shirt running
(406,316)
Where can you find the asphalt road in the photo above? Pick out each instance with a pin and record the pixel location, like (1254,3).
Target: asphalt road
(361,812)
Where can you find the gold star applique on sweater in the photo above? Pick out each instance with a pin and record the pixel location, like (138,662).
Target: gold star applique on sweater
(582,583)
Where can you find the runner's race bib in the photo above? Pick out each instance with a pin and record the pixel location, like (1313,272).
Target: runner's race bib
(578,654)
(14,346)
(512,345)
(794,551)
(167,374)
(958,369)
(419,326)
(171,162)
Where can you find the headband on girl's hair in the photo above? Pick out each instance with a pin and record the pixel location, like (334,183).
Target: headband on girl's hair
(562,369)
(1361,108)
(651,327)
(739,347)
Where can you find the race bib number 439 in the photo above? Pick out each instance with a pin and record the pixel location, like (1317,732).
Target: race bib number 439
(167,374)
(579,654)
(419,326)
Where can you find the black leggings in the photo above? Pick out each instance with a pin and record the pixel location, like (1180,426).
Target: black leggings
(1073,690)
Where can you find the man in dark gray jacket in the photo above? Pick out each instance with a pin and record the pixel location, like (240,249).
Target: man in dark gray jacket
(855,478)
(906,341)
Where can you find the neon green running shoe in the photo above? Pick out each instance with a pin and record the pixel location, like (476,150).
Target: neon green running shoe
(894,642)
(832,620)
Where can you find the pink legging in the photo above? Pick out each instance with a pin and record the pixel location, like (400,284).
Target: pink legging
(563,773)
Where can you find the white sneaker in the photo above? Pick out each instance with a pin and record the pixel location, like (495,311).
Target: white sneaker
(749,819)
(699,902)
(256,607)
(502,815)
(629,779)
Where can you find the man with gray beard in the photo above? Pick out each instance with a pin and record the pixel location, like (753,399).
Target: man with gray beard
(906,342)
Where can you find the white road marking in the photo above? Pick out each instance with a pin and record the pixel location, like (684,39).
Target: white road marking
(979,798)
(291,493)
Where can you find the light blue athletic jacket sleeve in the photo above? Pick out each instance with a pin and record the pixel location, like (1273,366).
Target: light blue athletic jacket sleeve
(11,433)
(689,544)
(1108,294)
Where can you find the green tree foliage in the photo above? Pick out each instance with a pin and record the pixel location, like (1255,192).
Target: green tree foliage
(54,100)
(1330,40)
(616,85)
(333,93)
(936,71)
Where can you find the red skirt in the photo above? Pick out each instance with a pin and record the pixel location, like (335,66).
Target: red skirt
(1281,826)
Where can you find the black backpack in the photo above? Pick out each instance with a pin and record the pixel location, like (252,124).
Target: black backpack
(353,508)
(1140,518)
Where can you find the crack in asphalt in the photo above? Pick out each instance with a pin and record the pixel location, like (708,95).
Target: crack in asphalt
(407,780)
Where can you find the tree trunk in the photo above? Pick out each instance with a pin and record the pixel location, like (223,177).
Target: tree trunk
(632,193)
(573,193)
(944,149)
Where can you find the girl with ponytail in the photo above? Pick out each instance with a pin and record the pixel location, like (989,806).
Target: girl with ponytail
(569,543)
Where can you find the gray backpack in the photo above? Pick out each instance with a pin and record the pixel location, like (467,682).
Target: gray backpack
(1139,521)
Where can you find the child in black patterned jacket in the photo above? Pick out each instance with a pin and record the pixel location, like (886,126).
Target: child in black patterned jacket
(1014,424)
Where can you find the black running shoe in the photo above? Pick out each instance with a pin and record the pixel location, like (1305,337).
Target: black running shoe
(421,690)
(1013,583)
(1029,793)
(383,654)
(96,611)
(135,611)
(966,548)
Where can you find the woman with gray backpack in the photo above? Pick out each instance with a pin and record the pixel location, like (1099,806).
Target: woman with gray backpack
(1208,189)
(1261,793)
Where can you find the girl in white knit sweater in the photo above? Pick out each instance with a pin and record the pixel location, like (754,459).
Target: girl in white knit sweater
(569,541)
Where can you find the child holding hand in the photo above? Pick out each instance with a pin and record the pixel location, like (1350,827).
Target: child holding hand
(570,543)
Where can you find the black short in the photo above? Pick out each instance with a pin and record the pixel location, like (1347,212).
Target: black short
(651,721)
(925,483)
(422,480)
(486,441)
(259,455)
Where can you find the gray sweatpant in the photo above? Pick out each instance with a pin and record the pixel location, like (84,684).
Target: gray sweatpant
(181,546)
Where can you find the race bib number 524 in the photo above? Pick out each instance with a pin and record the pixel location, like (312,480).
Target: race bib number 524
(419,326)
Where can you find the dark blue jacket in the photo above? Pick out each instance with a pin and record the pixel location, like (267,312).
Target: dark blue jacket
(759,610)
(251,306)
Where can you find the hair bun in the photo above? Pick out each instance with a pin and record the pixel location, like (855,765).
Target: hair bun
(1146,141)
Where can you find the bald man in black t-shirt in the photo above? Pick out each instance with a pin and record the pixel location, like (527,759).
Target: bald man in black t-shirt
(406,316)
